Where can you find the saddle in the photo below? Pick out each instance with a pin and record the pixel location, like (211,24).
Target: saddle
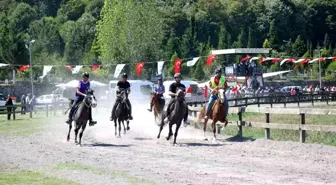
(76,110)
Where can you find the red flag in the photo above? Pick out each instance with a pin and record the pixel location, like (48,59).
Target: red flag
(69,67)
(291,60)
(276,60)
(95,67)
(210,59)
(177,65)
(23,68)
(261,60)
(305,61)
(139,67)
(334,58)
(245,58)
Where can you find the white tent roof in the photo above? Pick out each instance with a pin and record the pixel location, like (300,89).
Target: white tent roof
(74,84)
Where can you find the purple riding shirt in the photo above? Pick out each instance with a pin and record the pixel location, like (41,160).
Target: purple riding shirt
(83,87)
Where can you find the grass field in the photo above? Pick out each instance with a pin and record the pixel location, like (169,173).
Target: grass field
(30,177)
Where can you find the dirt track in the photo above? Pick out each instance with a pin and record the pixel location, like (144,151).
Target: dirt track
(139,158)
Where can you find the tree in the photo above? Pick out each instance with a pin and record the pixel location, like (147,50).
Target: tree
(171,66)
(298,48)
(199,73)
(273,35)
(71,10)
(266,44)
(241,43)
(250,41)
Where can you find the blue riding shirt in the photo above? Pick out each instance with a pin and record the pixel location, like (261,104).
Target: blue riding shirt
(159,88)
(83,88)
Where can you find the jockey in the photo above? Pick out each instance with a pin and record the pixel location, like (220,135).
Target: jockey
(82,88)
(159,90)
(172,92)
(122,84)
(218,81)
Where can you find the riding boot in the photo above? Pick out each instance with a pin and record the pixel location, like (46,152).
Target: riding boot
(168,111)
(91,122)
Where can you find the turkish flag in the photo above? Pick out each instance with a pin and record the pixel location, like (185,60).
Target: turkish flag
(177,65)
(139,67)
(95,67)
(23,68)
(261,60)
(69,67)
(334,58)
(245,58)
(210,59)
(276,60)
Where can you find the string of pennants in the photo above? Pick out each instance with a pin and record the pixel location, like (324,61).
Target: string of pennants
(177,64)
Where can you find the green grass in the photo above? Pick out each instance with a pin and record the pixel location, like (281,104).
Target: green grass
(115,173)
(20,127)
(29,177)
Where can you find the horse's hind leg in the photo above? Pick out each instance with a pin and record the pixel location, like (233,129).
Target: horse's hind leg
(115,127)
(70,126)
(128,127)
(214,128)
(204,128)
(81,133)
(124,127)
(176,131)
(161,128)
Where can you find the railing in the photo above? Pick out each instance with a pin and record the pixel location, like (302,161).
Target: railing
(302,127)
(271,99)
(50,109)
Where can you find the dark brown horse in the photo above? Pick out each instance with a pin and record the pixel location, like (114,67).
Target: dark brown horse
(177,112)
(158,104)
(121,113)
(217,113)
(81,115)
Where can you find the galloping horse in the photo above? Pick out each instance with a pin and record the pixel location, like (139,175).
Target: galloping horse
(158,104)
(81,115)
(121,112)
(217,113)
(177,112)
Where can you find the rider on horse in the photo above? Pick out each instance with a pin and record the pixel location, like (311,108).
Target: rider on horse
(82,88)
(123,84)
(172,92)
(159,90)
(216,82)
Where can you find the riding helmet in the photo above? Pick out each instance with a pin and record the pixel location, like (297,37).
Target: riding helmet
(219,70)
(124,75)
(86,74)
(177,75)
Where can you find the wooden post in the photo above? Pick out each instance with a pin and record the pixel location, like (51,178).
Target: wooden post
(240,127)
(258,99)
(246,102)
(285,102)
(271,101)
(267,130)
(302,132)
(298,100)
(312,97)
(31,112)
(327,98)
(47,109)
(13,110)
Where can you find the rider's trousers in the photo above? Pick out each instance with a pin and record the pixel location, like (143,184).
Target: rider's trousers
(212,100)
(75,102)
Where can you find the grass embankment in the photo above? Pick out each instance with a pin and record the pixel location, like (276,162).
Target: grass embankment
(284,135)
(98,171)
(29,177)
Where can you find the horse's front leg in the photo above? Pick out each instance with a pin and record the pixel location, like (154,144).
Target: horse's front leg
(123,122)
(76,131)
(115,127)
(81,133)
(161,127)
(214,128)
(119,123)
(68,137)
(204,127)
(128,127)
(176,131)
(170,133)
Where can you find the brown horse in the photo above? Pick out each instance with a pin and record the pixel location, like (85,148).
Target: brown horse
(158,104)
(216,114)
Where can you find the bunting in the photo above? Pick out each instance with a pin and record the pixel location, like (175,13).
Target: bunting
(177,65)
(95,67)
(76,69)
(192,62)
(46,70)
(118,70)
(245,58)
(211,58)
(160,67)
(138,68)
(23,68)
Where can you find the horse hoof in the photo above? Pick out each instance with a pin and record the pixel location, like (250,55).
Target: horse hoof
(128,128)
(174,144)
(125,132)
(68,139)
(206,139)
(119,137)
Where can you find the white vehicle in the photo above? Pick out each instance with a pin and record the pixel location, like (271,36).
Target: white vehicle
(47,99)
(140,90)
(192,89)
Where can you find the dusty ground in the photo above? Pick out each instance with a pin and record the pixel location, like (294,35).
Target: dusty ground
(139,158)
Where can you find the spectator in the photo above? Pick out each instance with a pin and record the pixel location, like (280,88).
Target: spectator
(292,91)
(33,103)
(23,104)
(28,102)
(9,102)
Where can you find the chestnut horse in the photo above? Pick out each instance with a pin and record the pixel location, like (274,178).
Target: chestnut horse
(217,112)
(158,104)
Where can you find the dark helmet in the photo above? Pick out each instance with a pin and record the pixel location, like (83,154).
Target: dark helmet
(160,78)
(86,74)
(219,70)
(124,75)
(177,75)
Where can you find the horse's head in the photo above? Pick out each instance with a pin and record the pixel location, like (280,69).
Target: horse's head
(123,95)
(180,94)
(221,95)
(90,100)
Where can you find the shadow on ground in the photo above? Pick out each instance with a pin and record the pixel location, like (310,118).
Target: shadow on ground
(239,139)
(106,145)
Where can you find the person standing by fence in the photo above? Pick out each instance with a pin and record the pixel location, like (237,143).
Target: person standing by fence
(9,102)
(23,104)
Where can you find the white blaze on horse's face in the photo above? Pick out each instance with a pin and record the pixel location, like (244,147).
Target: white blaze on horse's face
(221,95)
(94,103)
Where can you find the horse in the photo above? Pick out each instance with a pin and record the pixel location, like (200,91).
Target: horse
(81,115)
(121,112)
(177,112)
(158,105)
(217,113)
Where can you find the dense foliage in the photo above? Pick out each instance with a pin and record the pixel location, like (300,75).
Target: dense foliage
(70,32)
